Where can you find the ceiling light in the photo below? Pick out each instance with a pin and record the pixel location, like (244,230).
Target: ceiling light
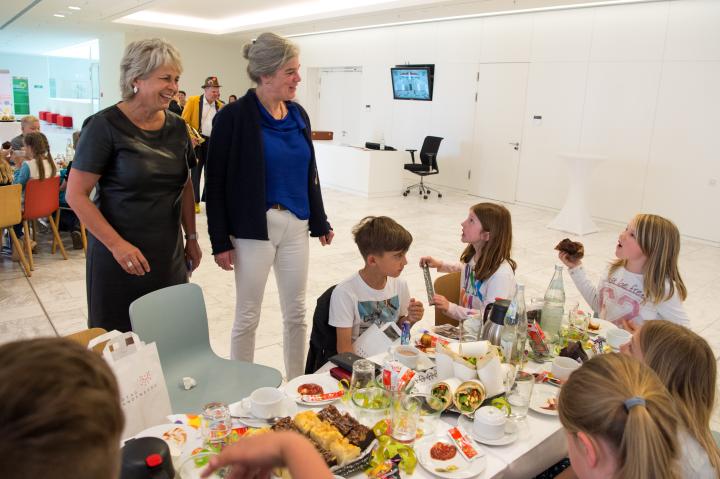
(74,8)
(59,15)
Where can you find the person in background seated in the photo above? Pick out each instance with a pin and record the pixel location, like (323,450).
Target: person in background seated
(375,294)
(68,219)
(60,413)
(28,124)
(619,420)
(256,456)
(686,365)
(6,172)
(181,98)
(644,282)
(37,162)
(232,98)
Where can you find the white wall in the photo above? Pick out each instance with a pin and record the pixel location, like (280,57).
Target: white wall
(637,84)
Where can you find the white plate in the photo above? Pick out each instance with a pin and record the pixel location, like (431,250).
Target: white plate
(236,409)
(541,393)
(465,469)
(327,382)
(605,326)
(424,362)
(510,436)
(177,446)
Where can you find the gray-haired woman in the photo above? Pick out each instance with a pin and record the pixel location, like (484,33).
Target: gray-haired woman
(264,196)
(138,156)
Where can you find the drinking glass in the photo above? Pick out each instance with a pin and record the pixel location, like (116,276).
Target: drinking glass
(363,374)
(404,417)
(520,394)
(431,408)
(215,423)
(534,310)
(195,464)
(370,404)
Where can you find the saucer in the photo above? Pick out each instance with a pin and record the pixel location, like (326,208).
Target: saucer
(236,409)
(510,436)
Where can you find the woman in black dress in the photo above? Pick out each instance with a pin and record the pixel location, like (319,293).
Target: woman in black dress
(138,157)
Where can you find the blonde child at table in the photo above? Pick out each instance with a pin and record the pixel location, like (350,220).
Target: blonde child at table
(644,282)
(487,270)
(619,421)
(37,163)
(685,363)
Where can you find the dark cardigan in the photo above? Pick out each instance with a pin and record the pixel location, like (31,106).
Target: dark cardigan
(236,177)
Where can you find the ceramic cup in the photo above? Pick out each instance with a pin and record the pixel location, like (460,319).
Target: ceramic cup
(562,367)
(265,403)
(489,423)
(408,355)
(618,337)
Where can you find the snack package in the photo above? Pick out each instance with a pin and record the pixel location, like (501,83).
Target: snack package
(537,339)
(431,340)
(389,469)
(396,376)
(463,443)
(321,397)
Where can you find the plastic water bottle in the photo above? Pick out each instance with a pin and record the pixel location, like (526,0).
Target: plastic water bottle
(518,354)
(508,336)
(69,151)
(554,307)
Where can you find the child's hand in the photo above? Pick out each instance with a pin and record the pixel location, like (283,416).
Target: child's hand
(441,302)
(415,311)
(430,261)
(565,258)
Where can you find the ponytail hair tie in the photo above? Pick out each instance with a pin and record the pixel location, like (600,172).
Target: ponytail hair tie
(634,401)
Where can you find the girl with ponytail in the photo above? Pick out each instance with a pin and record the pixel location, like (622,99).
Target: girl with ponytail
(620,421)
(38,164)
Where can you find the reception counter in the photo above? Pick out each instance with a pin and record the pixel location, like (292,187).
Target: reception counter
(369,173)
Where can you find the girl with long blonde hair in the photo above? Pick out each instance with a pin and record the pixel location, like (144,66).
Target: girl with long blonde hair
(487,270)
(620,421)
(644,282)
(686,365)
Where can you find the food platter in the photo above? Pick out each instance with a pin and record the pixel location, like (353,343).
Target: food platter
(542,396)
(605,326)
(464,469)
(327,383)
(180,438)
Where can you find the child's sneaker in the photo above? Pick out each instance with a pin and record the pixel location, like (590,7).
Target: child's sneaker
(77,240)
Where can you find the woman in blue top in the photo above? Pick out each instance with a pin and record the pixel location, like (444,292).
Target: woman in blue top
(264,196)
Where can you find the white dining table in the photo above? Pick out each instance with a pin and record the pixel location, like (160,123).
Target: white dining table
(541,441)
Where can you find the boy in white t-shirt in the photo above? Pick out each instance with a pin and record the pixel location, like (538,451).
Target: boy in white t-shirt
(375,294)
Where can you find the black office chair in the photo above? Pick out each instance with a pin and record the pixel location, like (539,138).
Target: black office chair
(427,166)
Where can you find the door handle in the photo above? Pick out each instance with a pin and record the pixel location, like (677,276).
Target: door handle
(516,145)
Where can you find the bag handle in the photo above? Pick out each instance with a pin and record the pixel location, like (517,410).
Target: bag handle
(122,345)
(103,337)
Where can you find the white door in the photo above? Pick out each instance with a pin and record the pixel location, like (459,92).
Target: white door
(340,105)
(497,141)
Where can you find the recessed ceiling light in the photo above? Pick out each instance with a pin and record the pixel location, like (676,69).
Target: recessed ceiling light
(59,15)
(74,8)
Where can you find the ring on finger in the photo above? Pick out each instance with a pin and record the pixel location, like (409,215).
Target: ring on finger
(129,264)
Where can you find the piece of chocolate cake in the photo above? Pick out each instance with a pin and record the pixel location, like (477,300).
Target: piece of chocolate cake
(573,249)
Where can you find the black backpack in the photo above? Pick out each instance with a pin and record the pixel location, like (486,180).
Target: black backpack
(323,338)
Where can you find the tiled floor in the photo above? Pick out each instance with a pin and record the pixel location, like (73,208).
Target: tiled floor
(53,300)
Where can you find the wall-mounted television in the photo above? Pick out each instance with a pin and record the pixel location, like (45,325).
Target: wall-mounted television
(413,82)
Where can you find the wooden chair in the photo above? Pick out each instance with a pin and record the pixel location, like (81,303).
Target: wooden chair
(83,233)
(42,199)
(10,215)
(447,285)
(86,335)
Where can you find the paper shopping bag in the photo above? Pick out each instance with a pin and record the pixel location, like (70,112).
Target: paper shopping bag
(143,393)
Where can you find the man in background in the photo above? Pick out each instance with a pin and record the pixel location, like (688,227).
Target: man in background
(29,124)
(199,112)
(181,98)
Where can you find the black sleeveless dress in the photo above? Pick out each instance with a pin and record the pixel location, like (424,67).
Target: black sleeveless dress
(142,176)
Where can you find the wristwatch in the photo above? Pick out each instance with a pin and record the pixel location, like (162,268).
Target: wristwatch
(191,236)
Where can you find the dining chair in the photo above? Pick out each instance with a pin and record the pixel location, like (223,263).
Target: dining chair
(447,285)
(42,199)
(84,337)
(83,232)
(176,320)
(10,215)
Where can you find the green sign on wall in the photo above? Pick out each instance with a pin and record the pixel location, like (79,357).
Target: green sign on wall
(21,96)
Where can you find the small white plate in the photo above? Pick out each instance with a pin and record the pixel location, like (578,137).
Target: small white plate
(465,469)
(180,438)
(540,395)
(236,409)
(605,326)
(327,382)
(510,436)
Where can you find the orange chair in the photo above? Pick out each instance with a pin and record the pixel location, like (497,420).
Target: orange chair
(10,215)
(42,199)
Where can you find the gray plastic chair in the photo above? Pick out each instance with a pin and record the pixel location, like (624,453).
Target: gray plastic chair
(176,320)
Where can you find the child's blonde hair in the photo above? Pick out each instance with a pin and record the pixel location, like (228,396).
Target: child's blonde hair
(6,173)
(686,364)
(659,240)
(496,220)
(38,142)
(595,401)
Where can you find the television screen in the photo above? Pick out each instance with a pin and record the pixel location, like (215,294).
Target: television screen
(412,83)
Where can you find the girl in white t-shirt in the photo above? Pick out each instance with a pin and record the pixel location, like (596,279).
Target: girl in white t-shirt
(644,282)
(487,271)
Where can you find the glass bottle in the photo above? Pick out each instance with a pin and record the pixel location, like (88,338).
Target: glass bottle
(518,354)
(554,305)
(509,331)
(69,151)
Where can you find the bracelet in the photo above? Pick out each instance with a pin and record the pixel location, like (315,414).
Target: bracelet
(191,236)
